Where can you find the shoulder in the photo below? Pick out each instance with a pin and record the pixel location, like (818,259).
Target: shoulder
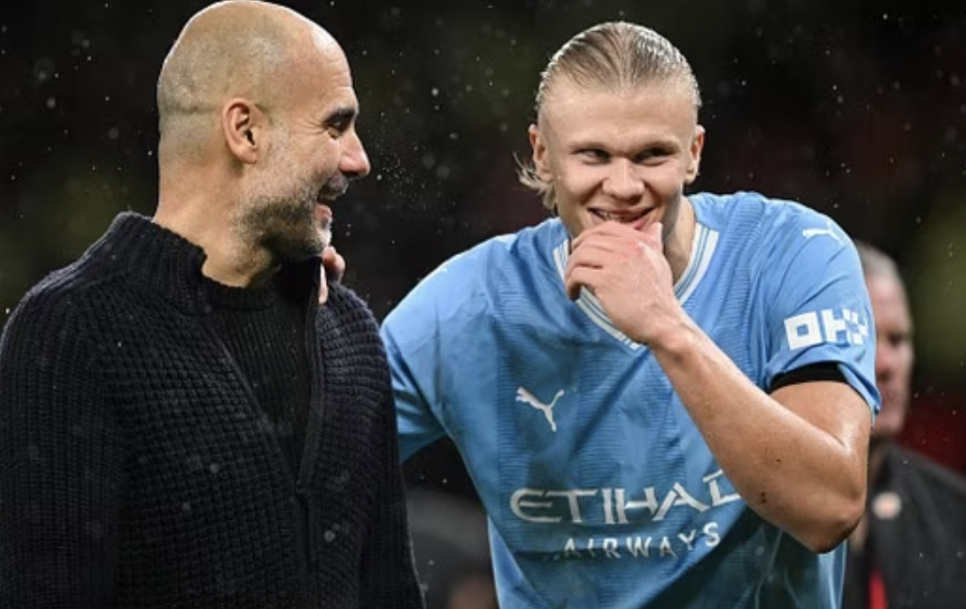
(498,254)
(463,286)
(72,295)
(346,309)
(773,235)
(59,324)
(749,208)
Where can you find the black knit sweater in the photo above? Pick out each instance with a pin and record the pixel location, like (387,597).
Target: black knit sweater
(136,466)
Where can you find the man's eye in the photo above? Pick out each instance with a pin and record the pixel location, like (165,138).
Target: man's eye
(651,154)
(595,154)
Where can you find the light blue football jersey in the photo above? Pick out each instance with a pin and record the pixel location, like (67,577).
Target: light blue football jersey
(600,490)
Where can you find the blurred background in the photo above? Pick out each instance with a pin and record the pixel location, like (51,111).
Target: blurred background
(857,109)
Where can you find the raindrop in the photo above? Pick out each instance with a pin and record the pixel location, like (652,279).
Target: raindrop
(329,536)
(51,103)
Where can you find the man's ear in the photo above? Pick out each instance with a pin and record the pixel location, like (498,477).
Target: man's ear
(540,163)
(694,155)
(243,126)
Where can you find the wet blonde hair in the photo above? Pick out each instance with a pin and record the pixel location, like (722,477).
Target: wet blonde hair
(616,56)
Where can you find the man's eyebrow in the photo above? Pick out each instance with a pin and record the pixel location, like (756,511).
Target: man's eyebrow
(340,116)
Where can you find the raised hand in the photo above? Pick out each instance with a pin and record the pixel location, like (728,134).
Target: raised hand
(333,268)
(626,270)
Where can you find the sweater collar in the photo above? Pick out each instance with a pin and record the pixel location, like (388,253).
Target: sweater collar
(162,261)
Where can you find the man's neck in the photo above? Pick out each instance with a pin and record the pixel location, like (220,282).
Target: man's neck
(678,248)
(228,260)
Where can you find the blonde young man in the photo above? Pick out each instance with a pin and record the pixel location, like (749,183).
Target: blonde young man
(664,400)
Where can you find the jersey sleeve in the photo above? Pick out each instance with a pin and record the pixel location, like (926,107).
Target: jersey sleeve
(817,305)
(420,335)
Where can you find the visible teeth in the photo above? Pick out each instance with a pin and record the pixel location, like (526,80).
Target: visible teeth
(623,219)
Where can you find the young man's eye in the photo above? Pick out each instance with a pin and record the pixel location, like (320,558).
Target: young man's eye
(594,154)
(652,154)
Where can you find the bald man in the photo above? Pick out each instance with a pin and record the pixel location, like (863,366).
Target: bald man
(181,425)
(909,550)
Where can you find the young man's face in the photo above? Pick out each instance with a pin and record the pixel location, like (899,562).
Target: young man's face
(621,156)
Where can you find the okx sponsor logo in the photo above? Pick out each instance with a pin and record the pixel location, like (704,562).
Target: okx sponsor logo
(826,326)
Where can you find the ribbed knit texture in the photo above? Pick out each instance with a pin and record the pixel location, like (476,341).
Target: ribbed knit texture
(264,330)
(138,470)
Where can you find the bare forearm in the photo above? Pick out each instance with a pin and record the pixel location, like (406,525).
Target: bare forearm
(789,470)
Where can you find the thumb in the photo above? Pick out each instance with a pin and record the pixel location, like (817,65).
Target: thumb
(333,264)
(654,234)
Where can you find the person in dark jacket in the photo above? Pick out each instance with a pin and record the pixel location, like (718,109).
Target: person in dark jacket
(909,551)
(181,424)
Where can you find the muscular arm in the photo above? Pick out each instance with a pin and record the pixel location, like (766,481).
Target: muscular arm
(797,457)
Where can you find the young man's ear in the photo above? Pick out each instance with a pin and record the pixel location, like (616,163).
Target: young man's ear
(540,163)
(694,155)
(242,124)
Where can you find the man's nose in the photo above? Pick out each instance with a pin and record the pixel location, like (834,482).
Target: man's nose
(354,162)
(623,181)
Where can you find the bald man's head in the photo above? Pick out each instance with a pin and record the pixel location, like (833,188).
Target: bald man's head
(237,48)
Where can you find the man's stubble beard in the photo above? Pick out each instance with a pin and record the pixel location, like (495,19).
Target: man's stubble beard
(284,224)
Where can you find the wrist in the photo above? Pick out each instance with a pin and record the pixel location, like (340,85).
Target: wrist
(674,339)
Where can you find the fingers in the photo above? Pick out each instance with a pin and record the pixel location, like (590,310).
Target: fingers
(577,278)
(654,234)
(333,264)
(333,268)
(595,246)
(609,246)
(615,232)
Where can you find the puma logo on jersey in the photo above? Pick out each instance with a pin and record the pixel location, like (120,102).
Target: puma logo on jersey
(525,396)
(829,231)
